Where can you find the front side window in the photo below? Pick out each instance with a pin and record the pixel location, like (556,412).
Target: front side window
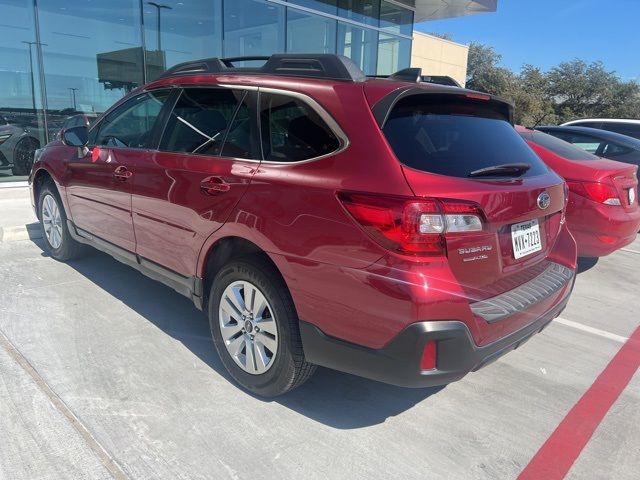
(131,124)
(292,131)
(203,118)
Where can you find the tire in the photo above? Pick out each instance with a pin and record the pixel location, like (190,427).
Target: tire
(277,365)
(23,156)
(57,240)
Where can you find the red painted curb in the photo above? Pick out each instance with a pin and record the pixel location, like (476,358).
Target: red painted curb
(562,448)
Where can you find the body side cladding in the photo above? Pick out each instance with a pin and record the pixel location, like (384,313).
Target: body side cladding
(190,287)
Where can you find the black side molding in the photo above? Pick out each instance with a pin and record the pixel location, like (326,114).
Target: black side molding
(190,287)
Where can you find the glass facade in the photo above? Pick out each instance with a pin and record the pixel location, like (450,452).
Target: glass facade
(62,59)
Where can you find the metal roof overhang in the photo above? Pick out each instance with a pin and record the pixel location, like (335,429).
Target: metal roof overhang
(436,9)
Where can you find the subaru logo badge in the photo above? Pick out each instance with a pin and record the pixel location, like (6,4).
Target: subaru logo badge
(544,200)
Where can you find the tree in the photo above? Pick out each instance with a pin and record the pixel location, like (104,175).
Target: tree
(484,72)
(571,90)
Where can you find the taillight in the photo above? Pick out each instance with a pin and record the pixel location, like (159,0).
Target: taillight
(598,192)
(412,226)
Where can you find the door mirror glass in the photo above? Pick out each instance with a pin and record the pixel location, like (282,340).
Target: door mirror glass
(75,136)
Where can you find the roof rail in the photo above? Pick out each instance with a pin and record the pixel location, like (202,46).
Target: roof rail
(313,65)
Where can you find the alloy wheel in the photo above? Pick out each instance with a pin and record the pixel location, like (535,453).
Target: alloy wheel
(52,221)
(248,327)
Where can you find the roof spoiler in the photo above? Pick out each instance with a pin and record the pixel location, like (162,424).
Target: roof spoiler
(382,109)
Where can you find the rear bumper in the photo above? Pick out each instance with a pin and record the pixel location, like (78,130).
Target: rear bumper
(398,362)
(601,229)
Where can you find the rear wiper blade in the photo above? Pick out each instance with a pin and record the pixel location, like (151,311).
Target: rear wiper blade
(504,169)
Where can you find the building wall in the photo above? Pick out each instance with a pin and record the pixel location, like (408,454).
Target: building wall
(437,56)
(56,60)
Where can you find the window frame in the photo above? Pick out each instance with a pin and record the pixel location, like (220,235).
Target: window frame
(253,99)
(307,101)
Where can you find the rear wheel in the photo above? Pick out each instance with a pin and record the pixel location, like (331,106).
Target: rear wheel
(255,328)
(23,156)
(53,222)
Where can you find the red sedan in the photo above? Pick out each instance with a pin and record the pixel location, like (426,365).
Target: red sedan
(602,213)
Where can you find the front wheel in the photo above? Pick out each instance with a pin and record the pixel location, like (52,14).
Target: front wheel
(53,222)
(255,328)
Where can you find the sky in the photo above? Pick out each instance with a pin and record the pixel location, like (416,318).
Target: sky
(547,32)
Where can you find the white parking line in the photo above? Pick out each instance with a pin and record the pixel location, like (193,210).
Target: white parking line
(594,331)
(629,250)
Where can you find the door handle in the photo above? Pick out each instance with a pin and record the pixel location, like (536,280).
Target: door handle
(122,173)
(214,186)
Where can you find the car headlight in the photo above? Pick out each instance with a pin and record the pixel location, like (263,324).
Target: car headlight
(4,138)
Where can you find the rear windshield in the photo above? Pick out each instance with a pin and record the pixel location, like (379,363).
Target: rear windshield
(455,137)
(562,148)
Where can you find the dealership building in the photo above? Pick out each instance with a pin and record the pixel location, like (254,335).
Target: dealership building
(59,57)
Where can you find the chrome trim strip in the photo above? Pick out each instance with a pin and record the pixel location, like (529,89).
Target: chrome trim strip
(497,308)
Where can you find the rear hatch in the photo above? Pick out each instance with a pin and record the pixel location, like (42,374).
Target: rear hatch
(462,147)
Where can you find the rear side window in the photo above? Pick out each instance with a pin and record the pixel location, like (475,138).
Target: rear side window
(561,148)
(203,118)
(292,131)
(455,136)
(613,150)
(586,142)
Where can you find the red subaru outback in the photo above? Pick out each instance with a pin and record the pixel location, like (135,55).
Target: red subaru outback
(389,228)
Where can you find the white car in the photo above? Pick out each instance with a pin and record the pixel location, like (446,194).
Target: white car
(623,126)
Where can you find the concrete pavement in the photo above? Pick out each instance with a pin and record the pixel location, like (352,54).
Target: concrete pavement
(132,362)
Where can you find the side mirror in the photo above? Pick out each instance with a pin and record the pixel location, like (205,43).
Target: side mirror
(75,136)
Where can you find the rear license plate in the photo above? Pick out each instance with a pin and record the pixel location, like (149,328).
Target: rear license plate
(525,238)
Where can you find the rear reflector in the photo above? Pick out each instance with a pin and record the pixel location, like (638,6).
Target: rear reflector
(598,192)
(428,360)
(412,226)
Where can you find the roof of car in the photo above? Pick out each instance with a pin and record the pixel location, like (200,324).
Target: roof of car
(608,120)
(595,132)
(291,70)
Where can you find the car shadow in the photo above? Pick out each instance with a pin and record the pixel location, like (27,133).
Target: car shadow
(586,263)
(332,398)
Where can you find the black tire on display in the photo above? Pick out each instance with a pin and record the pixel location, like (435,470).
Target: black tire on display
(255,328)
(53,223)
(23,156)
